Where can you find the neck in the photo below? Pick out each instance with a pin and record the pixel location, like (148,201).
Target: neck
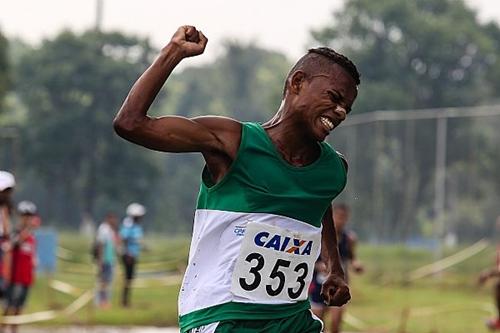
(287,134)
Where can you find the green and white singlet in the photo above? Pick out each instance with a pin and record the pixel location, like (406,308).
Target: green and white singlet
(257,234)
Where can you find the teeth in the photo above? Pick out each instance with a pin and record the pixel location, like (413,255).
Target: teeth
(327,123)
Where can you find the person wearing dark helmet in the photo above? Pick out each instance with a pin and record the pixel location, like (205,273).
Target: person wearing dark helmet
(23,260)
(131,234)
(264,202)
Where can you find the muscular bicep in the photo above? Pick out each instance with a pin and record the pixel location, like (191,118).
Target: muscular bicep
(179,134)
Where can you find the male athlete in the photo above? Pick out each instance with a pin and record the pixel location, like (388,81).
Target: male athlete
(264,192)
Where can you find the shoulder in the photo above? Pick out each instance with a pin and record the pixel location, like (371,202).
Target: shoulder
(336,154)
(103,231)
(225,130)
(219,122)
(220,126)
(343,159)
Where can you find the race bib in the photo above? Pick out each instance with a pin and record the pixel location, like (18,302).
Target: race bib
(275,263)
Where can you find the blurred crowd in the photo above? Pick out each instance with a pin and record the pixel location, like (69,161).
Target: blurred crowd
(114,243)
(17,247)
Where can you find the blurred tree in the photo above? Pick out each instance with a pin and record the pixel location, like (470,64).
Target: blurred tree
(4,70)
(417,53)
(72,86)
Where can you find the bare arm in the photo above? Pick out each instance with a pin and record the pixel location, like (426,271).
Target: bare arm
(335,290)
(488,274)
(172,133)
(4,217)
(329,244)
(355,263)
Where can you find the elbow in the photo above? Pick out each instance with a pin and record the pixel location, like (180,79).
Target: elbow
(125,127)
(119,126)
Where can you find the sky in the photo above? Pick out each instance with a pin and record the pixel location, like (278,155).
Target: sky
(276,24)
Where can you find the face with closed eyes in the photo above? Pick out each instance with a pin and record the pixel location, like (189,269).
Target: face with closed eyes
(321,101)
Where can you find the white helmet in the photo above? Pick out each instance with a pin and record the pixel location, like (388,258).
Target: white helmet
(136,210)
(26,208)
(7,180)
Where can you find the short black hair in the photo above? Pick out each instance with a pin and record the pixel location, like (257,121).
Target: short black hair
(315,58)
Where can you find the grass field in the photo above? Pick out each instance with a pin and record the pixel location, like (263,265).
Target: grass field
(382,300)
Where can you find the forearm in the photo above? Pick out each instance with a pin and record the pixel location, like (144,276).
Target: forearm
(352,248)
(329,246)
(331,256)
(134,110)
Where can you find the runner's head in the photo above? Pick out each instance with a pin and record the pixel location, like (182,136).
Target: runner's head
(341,213)
(320,91)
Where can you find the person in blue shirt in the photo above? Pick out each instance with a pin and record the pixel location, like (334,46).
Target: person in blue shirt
(106,242)
(131,234)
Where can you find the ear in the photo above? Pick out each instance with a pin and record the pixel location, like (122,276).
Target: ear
(296,81)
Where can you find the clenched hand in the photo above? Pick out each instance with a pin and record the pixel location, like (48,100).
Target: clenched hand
(191,42)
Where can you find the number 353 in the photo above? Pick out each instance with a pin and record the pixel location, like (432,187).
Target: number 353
(257,261)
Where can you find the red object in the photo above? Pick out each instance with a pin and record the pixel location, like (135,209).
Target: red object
(4,260)
(493,324)
(23,261)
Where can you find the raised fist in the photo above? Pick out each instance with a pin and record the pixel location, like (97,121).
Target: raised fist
(190,41)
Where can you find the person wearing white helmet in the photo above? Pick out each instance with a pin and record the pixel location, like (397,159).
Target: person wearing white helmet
(131,234)
(7,184)
(23,254)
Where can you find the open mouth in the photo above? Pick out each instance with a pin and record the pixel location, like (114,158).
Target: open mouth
(327,122)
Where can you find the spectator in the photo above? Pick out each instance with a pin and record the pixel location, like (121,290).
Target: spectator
(23,260)
(106,246)
(131,235)
(7,184)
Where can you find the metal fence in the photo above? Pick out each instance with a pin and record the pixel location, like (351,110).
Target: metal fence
(422,174)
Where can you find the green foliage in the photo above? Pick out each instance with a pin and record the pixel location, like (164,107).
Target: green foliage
(5,80)
(72,86)
(245,83)
(417,54)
